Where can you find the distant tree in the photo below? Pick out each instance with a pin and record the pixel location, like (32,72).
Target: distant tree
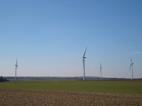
(3,79)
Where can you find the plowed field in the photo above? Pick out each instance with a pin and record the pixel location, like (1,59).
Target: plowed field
(33,97)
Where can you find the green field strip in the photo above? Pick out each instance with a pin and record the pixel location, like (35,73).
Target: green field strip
(128,87)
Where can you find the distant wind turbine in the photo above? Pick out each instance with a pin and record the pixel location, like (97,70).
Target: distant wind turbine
(101,70)
(16,66)
(84,64)
(131,65)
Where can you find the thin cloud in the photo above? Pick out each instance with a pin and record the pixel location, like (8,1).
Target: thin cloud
(135,53)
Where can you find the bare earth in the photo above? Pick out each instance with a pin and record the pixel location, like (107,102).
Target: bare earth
(29,97)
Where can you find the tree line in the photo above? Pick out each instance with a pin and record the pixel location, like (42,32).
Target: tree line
(2,79)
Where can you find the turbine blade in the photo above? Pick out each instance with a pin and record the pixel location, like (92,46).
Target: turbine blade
(100,67)
(130,67)
(84,52)
(16,65)
(131,59)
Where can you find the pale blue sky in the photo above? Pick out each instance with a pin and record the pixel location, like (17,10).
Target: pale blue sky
(49,37)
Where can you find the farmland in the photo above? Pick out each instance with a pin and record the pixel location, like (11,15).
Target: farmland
(127,87)
(70,92)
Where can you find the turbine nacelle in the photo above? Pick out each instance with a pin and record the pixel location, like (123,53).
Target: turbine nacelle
(100,66)
(101,70)
(16,65)
(131,64)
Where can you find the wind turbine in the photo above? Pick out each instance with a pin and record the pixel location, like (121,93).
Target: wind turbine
(101,70)
(84,64)
(16,66)
(131,65)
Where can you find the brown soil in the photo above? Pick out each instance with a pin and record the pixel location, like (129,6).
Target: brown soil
(29,97)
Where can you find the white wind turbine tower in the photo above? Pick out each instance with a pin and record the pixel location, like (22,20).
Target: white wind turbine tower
(84,64)
(131,65)
(101,70)
(16,66)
